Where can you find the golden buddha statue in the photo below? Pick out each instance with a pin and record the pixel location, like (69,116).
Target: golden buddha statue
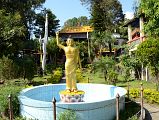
(72,60)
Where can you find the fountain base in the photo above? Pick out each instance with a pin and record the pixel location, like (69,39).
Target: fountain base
(69,97)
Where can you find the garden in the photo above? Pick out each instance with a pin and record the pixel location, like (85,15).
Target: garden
(27,62)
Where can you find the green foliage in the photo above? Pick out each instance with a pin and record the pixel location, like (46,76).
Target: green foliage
(112,77)
(11,33)
(53,51)
(134,93)
(80,21)
(107,66)
(18,67)
(83,48)
(67,115)
(148,54)
(150,9)
(128,63)
(25,67)
(79,76)
(20,118)
(130,111)
(4,92)
(17,25)
(152,96)
(6,68)
(106,14)
(56,76)
(40,23)
(50,68)
(133,118)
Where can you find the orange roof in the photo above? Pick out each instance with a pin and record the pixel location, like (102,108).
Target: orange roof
(78,29)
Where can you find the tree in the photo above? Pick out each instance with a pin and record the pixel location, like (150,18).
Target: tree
(107,66)
(17,18)
(52,50)
(105,14)
(26,9)
(12,33)
(102,40)
(148,54)
(150,9)
(40,24)
(81,21)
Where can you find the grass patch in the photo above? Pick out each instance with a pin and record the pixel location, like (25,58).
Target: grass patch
(98,77)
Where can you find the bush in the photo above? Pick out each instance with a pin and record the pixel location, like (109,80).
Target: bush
(130,111)
(112,77)
(18,67)
(133,118)
(79,76)
(67,115)
(152,96)
(50,68)
(6,68)
(56,76)
(4,92)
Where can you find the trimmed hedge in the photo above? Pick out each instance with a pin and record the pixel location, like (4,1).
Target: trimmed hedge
(151,95)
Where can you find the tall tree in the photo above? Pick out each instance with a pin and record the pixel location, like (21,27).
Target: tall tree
(26,9)
(12,32)
(40,23)
(80,21)
(150,9)
(106,14)
(148,54)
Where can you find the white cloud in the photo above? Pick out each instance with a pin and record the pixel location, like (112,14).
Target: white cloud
(129,15)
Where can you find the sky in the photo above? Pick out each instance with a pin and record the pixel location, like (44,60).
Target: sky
(67,9)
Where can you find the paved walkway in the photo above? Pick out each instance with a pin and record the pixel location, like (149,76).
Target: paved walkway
(152,111)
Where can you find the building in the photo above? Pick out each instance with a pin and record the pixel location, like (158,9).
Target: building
(136,36)
(135,32)
(77,33)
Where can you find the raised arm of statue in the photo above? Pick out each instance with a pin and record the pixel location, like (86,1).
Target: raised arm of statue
(58,42)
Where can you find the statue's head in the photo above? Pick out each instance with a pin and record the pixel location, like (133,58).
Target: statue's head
(70,42)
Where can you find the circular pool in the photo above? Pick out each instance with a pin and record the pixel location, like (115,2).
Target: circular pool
(99,102)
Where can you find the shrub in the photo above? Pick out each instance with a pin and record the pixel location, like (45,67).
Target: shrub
(133,118)
(134,93)
(152,96)
(56,76)
(18,67)
(79,76)
(50,68)
(5,91)
(112,77)
(6,68)
(67,115)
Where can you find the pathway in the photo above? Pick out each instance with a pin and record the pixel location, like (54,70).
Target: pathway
(152,112)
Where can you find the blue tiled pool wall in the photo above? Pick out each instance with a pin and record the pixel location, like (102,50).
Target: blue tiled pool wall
(101,108)
(46,93)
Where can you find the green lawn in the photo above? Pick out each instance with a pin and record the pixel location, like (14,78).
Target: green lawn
(99,78)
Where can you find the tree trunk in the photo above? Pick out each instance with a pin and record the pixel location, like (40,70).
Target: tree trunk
(105,76)
(110,48)
(157,82)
